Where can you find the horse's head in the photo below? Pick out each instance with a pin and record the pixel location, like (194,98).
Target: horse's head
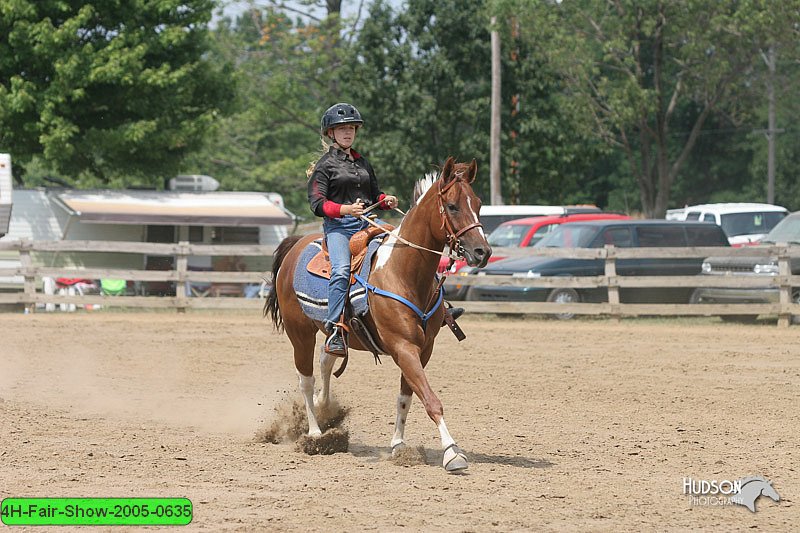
(768,490)
(459,207)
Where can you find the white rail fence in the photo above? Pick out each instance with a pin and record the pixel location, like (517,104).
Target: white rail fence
(29,294)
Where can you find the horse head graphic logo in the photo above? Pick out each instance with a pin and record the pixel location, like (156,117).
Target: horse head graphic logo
(752,488)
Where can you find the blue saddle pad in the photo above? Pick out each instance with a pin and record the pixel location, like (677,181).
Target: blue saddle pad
(312,290)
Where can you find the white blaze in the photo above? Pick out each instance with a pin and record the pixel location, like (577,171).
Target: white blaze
(474,216)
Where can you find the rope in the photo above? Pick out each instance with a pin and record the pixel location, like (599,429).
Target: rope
(397,236)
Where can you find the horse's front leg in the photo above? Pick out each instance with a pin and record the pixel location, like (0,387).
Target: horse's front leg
(411,361)
(326,362)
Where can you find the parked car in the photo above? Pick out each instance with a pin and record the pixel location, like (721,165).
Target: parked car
(519,233)
(526,232)
(596,234)
(787,231)
(494,215)
(743,223)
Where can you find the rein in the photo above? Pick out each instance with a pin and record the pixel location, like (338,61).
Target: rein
(397,236)
(453,243)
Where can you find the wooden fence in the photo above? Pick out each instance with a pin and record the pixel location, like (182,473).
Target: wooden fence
(29,296)
(783,282)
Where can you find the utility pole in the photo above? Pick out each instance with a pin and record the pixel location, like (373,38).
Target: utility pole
(772,129)
(771,126)
(496,197)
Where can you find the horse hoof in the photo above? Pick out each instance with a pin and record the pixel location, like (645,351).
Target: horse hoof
(397,448)
(454,459)
(332,441)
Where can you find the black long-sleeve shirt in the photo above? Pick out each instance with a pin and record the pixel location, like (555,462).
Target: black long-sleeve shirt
(339,180)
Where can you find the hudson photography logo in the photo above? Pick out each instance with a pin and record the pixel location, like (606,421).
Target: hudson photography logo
(723,492)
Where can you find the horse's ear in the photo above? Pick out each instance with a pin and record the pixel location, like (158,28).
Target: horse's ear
(447,170)
(472,172)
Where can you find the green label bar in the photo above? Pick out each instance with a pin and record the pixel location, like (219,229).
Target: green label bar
(96,511)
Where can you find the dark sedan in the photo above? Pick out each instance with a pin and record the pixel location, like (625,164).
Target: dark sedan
(597,234)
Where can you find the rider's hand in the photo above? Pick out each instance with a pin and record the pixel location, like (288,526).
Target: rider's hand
(356,209)
(390,201)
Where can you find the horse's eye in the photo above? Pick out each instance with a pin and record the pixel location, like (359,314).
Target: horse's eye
(452,207)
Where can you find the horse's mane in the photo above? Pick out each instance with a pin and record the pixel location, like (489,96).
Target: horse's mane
(424,185)
(744,481)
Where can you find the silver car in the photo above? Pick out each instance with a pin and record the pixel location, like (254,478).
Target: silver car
(787,231)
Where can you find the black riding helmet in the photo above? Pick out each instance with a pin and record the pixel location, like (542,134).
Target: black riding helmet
(340,114)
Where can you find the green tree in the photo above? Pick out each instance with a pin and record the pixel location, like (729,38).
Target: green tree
(636,66)
(113,91)
(418,82)
(287,68)
(423,76)
(548,142)
(787,167)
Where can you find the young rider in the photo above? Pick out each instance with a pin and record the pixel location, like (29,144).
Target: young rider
(342,185)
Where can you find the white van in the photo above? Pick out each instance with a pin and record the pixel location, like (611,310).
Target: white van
(494,215)
(743,223)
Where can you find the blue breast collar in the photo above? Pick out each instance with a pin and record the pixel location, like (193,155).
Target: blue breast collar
(423,316)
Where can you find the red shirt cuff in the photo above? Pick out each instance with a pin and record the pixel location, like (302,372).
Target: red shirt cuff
(383,205)
(331,209)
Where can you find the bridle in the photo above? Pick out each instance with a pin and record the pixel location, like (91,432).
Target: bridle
(451,235)
(454,245)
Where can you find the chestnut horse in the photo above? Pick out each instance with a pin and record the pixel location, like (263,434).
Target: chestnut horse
(445,212)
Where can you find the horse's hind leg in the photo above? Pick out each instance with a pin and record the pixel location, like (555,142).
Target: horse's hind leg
(403,405)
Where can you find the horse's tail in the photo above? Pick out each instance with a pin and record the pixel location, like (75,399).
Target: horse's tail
(271,306)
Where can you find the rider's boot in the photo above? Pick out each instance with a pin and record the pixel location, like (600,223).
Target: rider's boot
(335,344)
(455,312)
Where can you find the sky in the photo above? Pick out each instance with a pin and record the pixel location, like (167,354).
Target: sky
(349,7)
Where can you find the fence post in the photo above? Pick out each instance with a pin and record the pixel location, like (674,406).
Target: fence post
(181,267)
(30,280)
(785,290)
(611,281)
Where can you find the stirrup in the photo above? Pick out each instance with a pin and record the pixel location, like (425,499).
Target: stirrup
(332,346)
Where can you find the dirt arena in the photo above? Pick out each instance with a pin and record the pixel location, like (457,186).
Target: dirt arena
(583,425)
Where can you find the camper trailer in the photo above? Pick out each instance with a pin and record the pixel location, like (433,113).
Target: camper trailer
(5,193)
(200,217)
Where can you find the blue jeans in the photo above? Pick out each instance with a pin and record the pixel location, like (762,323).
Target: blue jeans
(337,236)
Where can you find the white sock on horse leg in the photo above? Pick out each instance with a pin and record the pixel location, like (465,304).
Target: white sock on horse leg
(447,440)
(403,405)
(326,362)
(307,389)
(453,459)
